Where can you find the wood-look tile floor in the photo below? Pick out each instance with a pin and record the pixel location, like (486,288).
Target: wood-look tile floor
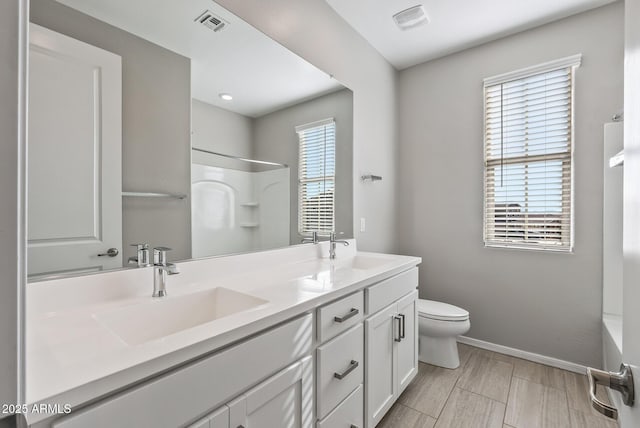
(495,390)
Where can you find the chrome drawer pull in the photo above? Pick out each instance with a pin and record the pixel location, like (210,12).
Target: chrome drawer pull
(352,367)
(352,313)
(402,332)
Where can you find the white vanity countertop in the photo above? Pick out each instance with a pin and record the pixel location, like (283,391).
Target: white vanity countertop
(72,358)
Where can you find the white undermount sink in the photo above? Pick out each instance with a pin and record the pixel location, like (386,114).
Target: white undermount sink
(137,324)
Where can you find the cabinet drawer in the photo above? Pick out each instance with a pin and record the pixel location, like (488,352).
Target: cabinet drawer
(388,291)
(339,316)
(348,414)
(339,369)
(174,399)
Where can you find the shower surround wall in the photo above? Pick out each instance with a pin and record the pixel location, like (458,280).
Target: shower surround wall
(236,211)
(546,303)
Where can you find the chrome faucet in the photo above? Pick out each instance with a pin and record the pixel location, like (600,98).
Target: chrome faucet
(160,271)
(142,257)
(311,239)
(332,245)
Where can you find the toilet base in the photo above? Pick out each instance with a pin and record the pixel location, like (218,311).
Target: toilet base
(439,351)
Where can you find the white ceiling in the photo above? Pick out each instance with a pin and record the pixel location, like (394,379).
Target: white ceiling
(262,75)
(454,24)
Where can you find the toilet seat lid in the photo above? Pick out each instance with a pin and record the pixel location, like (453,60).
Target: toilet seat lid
(441,311)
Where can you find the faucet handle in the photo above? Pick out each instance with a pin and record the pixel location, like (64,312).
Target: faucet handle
(160,255)
(142,255)
(332,238)
(313,238)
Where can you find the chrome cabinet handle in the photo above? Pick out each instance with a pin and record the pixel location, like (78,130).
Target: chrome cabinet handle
(399,337)
(352,313)
(621,381)
(111,252)
(402,331)
(352,366)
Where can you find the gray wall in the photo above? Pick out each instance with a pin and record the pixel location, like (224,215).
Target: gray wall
(222,131)
(12,115)
(314,31)
(540,302)
(275,140)
(156,109)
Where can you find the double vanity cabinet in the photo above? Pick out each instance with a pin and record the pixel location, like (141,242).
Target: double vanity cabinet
(341,363)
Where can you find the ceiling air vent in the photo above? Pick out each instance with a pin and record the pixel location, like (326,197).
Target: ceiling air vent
(411,17)
(211,21)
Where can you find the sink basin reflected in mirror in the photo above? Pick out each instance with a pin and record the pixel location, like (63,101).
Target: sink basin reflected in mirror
(365,262)
(137,324)
(343,266)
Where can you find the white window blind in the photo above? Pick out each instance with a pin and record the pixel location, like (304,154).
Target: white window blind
(316,176)
(528,146)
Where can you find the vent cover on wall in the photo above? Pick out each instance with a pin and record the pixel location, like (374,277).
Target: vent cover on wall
(411,17)
(211,21)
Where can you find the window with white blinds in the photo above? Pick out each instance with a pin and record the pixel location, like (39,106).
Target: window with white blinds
(316,176)
(528,145)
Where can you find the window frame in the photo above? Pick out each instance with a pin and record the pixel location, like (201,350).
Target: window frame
(490,241)
(324,178)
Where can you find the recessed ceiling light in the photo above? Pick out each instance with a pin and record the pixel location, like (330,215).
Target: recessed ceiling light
(410,18)
(226,97)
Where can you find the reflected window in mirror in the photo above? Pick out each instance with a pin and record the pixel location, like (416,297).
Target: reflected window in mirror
(316,176)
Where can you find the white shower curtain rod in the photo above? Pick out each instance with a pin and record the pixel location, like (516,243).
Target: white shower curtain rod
(284,165)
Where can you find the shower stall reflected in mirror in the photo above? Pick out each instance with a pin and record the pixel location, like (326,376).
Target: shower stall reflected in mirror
(238,204)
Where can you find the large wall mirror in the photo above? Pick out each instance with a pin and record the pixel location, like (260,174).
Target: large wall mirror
(177,124)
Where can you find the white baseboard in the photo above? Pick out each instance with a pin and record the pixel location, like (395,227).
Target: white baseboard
(525,355)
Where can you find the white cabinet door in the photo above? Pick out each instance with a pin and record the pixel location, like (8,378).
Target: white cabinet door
(285,400)
(219,418)
(380,333)
(408,346)
(203,423)
(216,419)
(74,190)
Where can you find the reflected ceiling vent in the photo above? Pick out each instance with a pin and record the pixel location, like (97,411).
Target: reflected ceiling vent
(211,21)
(411,18)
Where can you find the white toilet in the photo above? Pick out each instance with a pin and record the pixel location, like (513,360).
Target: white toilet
(439,324)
